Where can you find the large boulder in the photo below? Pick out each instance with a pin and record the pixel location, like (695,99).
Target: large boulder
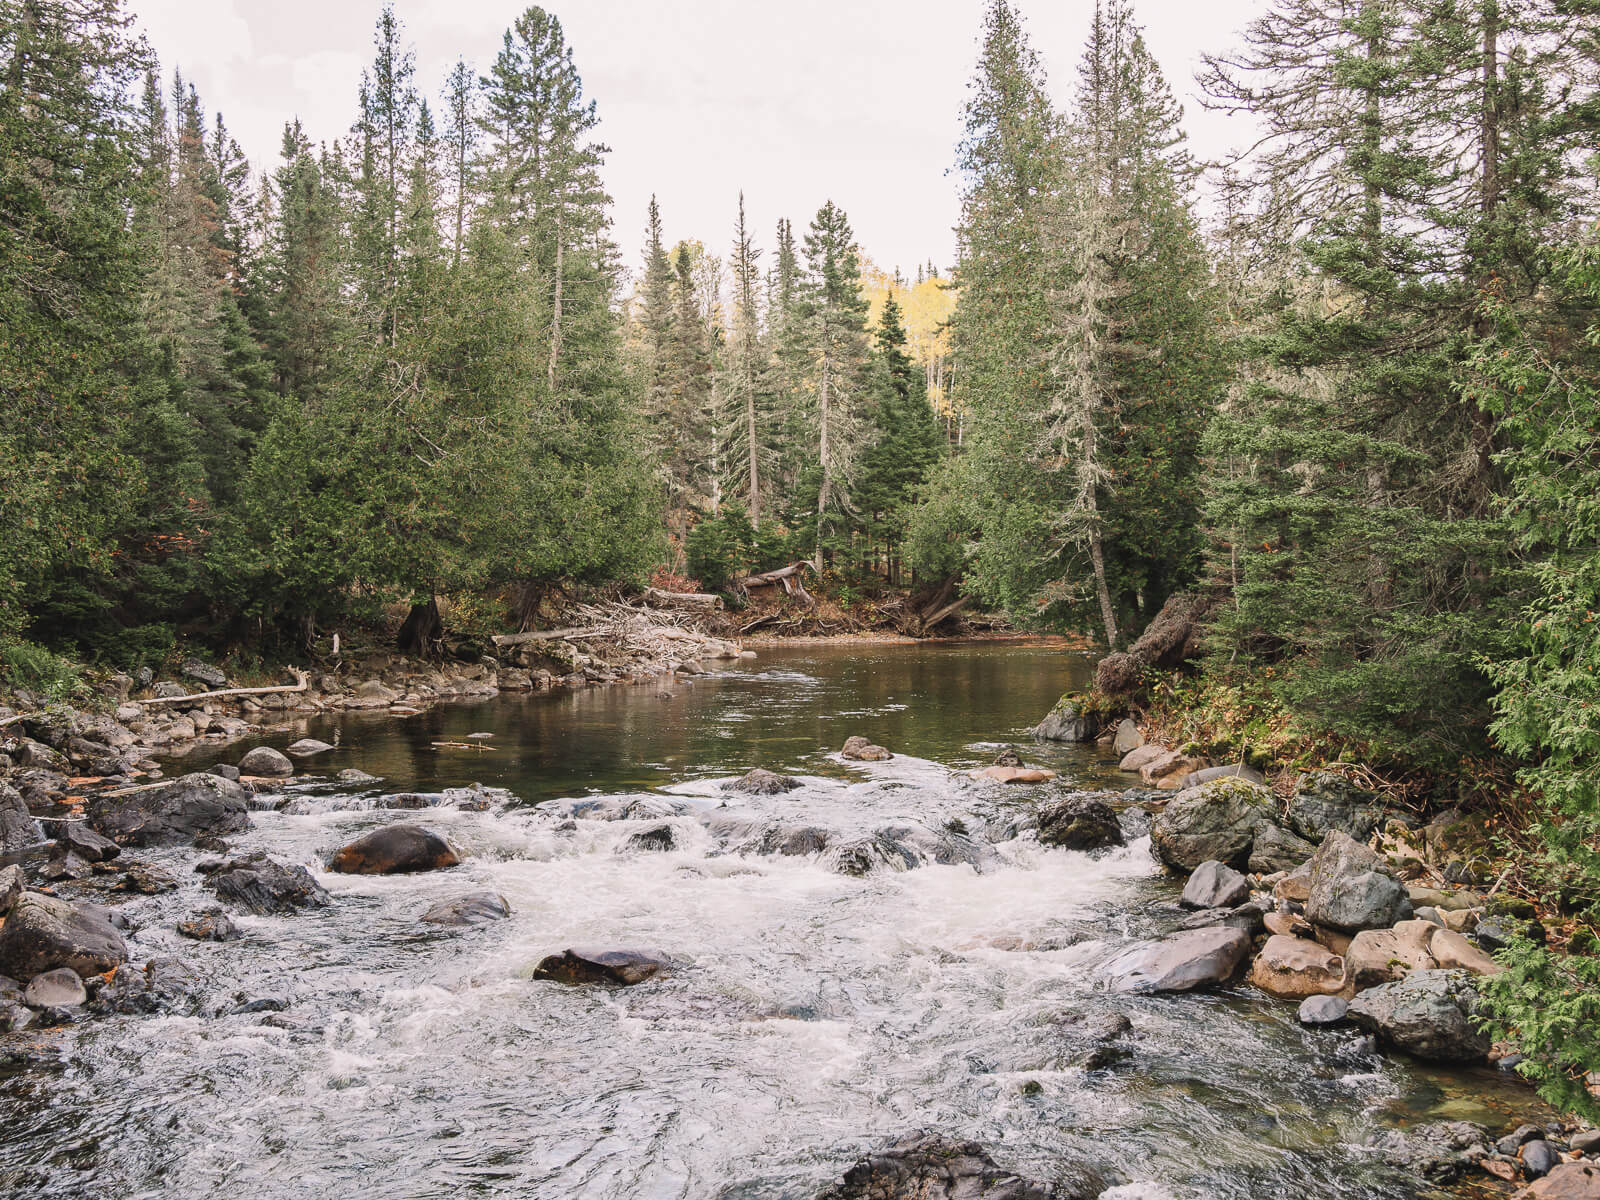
(394,850)
(1079,823)
(618,968)
(18,829)
(1214,885)
(264,760)
(1277,850)
(1569,1181)
(1065,723)
(1351,888)
(265,886)
(1292,968)
(1325,803)
(1217,820)
(928,1166)
(1179,962)
(1378,956)
(1428,1014)
(191,806)
(42,933)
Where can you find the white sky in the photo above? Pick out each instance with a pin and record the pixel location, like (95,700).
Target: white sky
(796,103)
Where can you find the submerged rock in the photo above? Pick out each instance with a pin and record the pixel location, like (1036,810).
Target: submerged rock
(1013,774)
(1439,1151)
(1429,1014)
(394,850)
(175,812)
(1079,823)
(42,933)
(1180,962)
(928,1166)
(306,747)
(209,925)
(762,783)
(860,749)
(266,886)
(479,908)
(621,968)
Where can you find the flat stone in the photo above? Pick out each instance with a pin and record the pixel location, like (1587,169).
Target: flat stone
(306,747)
(1137,758)
(60,988)
(1179,962)
(351,775)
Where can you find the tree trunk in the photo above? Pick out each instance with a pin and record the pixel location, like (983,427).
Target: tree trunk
(555,311)
(422,629)
(750,433)
(822,446)
(1490,190)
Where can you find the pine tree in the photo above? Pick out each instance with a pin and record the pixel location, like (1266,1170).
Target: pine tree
(748,367)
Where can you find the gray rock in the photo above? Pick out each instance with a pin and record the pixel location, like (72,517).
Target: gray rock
(12,885)
(60,988)
(77,838)
(1513,1141)
(1587,1142)
(927,1166)
(1321,1011)
(178,811)
(167,690)
(1215,886)
(1179,962)
(762,783)
(1539,1158)
(42,933)
(1064,724)
(656,838)
(621,968)
(1215,821)
(479,908)
(1325,803)
(1079,823)
(164,985)
(306,747)
(1277,849)
(18,829)
(1440,1151)
(14,1018)
(351,775)
(265,886)
(209,925)
(1128,737)
(30,753)
(1250,917)
(224,771)
(1496,933)
(63,864)
(264,760)
(1351,889)
(1428,1014)
(212,677)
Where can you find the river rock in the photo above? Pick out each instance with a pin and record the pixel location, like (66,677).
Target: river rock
(63,864)
(622,968)
(478,908)
(30,753)
(1276,849)
(163,985)
(1128,738)
(1251,917)
(42,933)
(224,771)
(1292,968)
(306,747)
(1440,1151)
(209,925)
(60,988)
(762,783)
(1215,821)
(1325,803)
(1429,1014)
(1351,888)
(1064,723)
(18,829)
(1587,1142)
(860,749)
(1539,1158)
(351,775)
(1214,885)
(1134,759)
(1231,771)
(1377,956)
(1170,765)
(1079,823)
(175,812)
(1322,1011)
(264,760)
(394,850)
(12,885)
(655,839)
(927,1166)
(265,886)
(1179,962)
(1569,1181)
(77,838)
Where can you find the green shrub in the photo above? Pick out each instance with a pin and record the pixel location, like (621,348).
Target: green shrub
(25,665)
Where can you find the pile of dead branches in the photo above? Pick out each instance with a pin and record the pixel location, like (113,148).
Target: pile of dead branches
(619,634)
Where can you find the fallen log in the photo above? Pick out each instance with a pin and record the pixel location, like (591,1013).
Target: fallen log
(543,635)
(656,597)
(304,682)
(767,578)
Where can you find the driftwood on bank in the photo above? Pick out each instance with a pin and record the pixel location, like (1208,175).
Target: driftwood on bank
(542,635)
(303,682)
(788,577)
(659,598)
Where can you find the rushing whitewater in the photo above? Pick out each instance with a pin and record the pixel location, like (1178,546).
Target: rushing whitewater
(808,1015)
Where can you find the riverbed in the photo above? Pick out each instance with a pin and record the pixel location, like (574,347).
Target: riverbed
(809,1015)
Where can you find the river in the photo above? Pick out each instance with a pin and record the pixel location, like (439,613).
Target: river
(809,1015)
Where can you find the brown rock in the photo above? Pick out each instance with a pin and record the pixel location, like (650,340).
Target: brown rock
(1014,774)
(1450,949)
(1292,968)
(394,850)
(1569,1181)
(1170,763)
(1383,955)
(1136,759)
(860,749)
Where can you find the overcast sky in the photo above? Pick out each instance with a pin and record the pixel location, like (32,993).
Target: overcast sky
(858,101)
